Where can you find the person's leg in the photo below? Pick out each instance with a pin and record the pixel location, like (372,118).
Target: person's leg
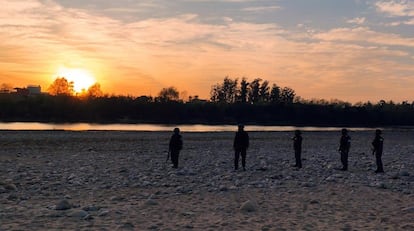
(243,154)
(379,163)
(298,158)
(236,159)
(174,158)
(344,160)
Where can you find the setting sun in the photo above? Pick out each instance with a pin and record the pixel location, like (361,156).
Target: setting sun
(81,78)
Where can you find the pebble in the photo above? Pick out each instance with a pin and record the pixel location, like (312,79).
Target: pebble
(79,214)
(404,173)
(127,225)
(117,198)
(103,213)
(91,208)
(198,174)
(150,202)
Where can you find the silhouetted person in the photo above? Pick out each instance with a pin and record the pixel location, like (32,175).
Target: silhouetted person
(377,144)
(297,146)
(240,145)
(176,144)
(344,146)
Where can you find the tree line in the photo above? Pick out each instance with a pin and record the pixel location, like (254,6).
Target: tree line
(256,91)
(231,101)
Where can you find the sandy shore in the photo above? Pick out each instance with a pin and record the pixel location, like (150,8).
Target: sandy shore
(57,180)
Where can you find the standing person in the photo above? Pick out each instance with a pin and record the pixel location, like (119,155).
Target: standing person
(240,145)
(297,146)
(377,144)
(344,146)
(176,144)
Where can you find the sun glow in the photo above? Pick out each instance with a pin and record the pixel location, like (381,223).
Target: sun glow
(81,78)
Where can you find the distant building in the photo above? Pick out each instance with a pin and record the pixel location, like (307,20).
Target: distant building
(34,89)
(21,91)
(29,90)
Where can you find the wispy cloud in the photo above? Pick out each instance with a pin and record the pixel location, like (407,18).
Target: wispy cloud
(365,34)
(261,8)
(357,20)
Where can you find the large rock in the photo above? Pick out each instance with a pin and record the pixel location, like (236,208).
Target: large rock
(248,206)
(409,209)
(10,187)
(404,173)
(63,205)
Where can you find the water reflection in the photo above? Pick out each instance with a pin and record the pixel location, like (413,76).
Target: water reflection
(156,127)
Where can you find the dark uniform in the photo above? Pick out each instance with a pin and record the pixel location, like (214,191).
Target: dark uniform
(377,144)
(297,146)
(176,144)
(240,145)
(344,146)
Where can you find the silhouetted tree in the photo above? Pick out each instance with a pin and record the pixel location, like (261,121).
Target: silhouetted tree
(264,93)
(95,91)
(225,92)
(168,94)
(243,92)
(61,86)
(275,94)
(254,91)
(287,95)
(144,99)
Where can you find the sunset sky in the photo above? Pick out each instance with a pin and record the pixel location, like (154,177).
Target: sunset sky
(352,50)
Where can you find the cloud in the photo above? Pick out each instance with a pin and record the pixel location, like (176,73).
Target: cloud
(396,8)
(358,20)
(143,55)
(364,34)
(262,8)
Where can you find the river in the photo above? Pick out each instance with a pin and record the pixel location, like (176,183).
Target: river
(157,127)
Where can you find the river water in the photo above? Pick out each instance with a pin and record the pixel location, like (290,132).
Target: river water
(157,127)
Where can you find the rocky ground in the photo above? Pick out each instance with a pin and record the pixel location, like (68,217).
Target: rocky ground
(98,180)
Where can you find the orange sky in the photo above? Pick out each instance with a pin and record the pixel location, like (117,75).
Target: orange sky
(367,55)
